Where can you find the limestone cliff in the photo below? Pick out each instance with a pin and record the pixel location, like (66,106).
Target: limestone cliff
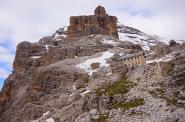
(99,23)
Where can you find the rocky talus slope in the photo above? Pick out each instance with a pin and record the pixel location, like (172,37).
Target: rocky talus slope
(57,80)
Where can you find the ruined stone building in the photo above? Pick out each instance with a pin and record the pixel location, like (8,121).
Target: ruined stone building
(131,59)
(99,23)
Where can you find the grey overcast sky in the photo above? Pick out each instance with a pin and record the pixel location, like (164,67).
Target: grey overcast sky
(30,20)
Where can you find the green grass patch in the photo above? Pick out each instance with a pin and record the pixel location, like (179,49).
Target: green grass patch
(118,87)
(127,105)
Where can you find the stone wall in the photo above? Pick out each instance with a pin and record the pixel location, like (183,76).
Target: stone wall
(100,23)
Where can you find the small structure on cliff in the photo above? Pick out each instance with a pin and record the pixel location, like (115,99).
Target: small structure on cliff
(99,23)
(130,59)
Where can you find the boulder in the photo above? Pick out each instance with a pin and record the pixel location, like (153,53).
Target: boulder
(172,42)
(95,65)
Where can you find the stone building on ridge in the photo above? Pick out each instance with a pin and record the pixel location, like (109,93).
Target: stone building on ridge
(130,59)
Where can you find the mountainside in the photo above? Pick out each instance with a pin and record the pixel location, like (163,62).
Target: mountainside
(107,74)
(138,37)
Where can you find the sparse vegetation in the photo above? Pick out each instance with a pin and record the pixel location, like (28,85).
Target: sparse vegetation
(118,87)
(159,93)
(127,105)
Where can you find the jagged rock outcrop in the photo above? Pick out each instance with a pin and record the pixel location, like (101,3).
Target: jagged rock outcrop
(118,67)
(100,11)
(100,23)
(160,50)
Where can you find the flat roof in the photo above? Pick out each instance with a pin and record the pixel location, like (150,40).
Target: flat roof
(131,55)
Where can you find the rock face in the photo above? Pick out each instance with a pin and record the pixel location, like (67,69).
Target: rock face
(100,23)
(80,80)
(100,11)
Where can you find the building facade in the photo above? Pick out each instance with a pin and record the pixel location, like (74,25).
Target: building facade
(132,59)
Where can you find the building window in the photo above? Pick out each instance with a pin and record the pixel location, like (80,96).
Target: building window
(55,43)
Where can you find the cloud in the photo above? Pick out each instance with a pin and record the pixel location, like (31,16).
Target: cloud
(6,56)
(3,73)
(22,20)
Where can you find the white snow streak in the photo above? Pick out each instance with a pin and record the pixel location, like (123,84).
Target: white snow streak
(47,48)
(135,39)
(35,57)
(46,113)
(165,59)
(105,41)
(84,93)
(144,40)
(102,60)
(58,35)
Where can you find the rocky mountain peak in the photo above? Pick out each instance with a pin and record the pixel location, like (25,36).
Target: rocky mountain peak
(100,11)
(100,23)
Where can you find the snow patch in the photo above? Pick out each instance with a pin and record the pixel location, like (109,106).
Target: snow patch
(136,39)
(84,93)
(34,121)
(50,120)
(102,60)
(47,47)
(65,28)
(105,41)
(71,94)
(167,58)
(46,113)
(58,35)
(74,87)
(180,41)
(35,57)
(110,73)
(144,40)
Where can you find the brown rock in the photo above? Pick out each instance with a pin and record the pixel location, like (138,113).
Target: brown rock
(95,65)
(100,23)
(5,94)
(22,53)
(100,11)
